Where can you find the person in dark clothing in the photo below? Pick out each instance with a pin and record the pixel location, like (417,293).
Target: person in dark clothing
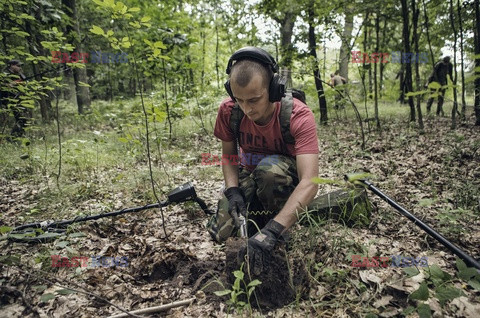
(9,91)
(439,75)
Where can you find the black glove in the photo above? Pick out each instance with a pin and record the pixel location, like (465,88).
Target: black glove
(260,246)
(236,203)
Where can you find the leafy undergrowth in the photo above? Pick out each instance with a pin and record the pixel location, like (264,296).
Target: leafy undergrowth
(434,175)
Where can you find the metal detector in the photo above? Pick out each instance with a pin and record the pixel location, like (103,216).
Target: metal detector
(452,247)
(50,230)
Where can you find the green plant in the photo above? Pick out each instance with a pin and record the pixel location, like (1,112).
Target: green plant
(443,285)
(239,288)
(452,220)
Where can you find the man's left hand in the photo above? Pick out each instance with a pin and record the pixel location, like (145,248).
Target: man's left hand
(260,246)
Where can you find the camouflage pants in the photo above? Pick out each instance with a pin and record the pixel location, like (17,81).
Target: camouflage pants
(266,190)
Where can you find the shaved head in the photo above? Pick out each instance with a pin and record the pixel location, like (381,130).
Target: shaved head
(244,70)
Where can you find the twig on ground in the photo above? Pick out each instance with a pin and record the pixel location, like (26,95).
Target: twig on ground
(155,309)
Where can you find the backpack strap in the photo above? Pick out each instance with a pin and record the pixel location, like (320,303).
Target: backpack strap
(284,117)
(286,107)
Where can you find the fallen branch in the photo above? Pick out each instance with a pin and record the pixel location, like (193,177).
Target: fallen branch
(155,309)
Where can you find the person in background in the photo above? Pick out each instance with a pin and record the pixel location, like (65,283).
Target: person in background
(337,82)
(440,71)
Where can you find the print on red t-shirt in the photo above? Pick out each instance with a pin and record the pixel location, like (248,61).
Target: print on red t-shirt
(258,141)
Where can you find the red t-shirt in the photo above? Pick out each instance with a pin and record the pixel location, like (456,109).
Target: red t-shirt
(258,141)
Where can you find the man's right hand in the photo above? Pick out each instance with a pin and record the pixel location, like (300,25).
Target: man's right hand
(236,203)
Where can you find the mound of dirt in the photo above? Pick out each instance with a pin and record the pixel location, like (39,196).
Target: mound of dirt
(283,280)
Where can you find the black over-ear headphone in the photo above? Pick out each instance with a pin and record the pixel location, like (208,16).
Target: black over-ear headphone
(276,88)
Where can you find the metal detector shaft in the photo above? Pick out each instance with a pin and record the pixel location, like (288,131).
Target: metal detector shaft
(452,247)
(58,224)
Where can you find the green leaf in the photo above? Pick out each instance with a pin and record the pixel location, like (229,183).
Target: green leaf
(238,274)
(62,244)
(407,311)
(411,271)
(474,283)
(10,259)
(445,293)
(424,311)
(40,288)
(65,291)
(222,292)
(426,202)
(5,229)
(437,272)
(48,235)
(416,93)
(318,180)
(46,297)
(100,3)
(22,34)
(460,264)
(159,45)
(421,293)
(467,273)
(134,9)
(354,177)
(434,85)
(97,30)
(135,24)
(254,282)
(145,19)
(77,234)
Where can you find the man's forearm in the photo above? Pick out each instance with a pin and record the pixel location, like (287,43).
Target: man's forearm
(303,195)
(230,175)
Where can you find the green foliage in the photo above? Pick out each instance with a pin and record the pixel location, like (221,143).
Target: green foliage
(443,285)
(240,288)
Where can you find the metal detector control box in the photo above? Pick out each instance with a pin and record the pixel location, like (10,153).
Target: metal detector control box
(183,193)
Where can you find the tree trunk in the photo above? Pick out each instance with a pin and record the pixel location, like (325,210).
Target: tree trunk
(408,66)
(375,65)
(462,71)
(370,76)
(69,85)
(203,36)
(312,43)
(217,45)
(286,46)
(382,65)
(346,47)
(79,74)
(432,57)
(365,49)
(455,105)
(44,101)
(477,62)
(415,14)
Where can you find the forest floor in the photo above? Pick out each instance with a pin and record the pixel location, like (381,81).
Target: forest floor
(435,175)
